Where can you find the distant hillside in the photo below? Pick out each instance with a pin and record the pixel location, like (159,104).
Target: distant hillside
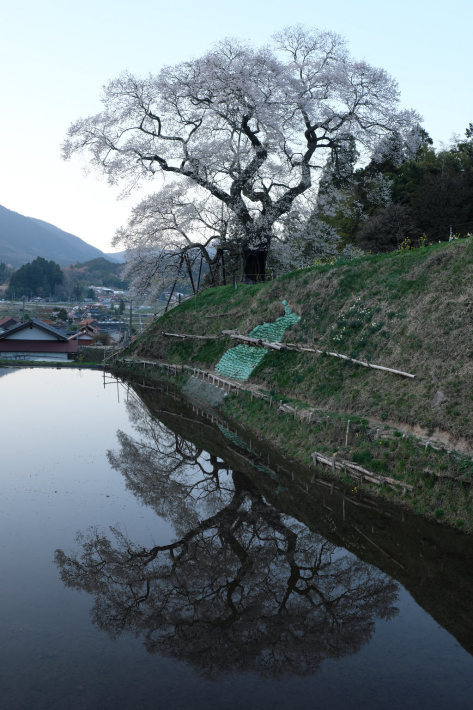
(98,272)
(118,256)
(22,239)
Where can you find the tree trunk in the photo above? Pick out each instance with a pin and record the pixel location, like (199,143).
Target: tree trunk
(254,264)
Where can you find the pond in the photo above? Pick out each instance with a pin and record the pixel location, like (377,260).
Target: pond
(151,558)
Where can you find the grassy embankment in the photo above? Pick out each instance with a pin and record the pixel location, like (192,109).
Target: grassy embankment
(410,310)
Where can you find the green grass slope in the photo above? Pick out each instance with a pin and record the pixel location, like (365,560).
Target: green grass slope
(411,310)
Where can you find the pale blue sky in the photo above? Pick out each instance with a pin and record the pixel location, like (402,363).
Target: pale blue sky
(55,55)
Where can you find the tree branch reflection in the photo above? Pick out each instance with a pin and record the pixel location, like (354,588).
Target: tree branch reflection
(179,480)
(242,587)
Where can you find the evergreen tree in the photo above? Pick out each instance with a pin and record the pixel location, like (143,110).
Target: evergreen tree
(38,278)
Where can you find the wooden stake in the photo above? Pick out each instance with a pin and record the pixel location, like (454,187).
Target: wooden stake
(303,349)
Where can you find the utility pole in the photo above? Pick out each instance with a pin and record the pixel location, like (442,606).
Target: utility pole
(131,316)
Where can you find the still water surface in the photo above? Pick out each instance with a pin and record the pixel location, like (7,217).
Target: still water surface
(147,562)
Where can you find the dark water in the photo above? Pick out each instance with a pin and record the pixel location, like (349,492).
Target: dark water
(201,578)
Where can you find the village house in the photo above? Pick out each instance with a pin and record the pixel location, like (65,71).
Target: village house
(6,322)
(87,335)
(35,340)
(90,323)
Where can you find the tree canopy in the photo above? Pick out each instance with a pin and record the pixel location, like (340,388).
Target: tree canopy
(405,192)
(239,133)
(39,278)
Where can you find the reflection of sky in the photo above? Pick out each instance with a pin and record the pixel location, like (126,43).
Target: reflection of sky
(56,428)
(7,371)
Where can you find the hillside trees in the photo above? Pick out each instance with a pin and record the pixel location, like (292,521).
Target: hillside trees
(39,278)
(437,188)
(406,190)
(99,272)
(239,130)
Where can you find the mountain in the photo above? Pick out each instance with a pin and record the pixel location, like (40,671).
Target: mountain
(118,257)
(22,239)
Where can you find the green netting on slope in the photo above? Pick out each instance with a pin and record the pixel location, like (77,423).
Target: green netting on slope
(238,363)
(273,332)
(241,444)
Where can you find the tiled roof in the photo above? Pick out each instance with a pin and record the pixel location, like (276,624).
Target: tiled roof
(7,319)
(30,324)
(82,334)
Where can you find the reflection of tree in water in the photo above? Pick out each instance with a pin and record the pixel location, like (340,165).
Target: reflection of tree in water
(181,481)
(243,588)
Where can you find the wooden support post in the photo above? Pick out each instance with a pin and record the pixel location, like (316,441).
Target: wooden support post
(174,284)
(189,271)
(224,274)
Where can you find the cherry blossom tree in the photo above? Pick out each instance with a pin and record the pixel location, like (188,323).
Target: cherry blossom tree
(172,231)
(240,129)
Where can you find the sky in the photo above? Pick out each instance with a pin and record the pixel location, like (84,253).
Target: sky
(55,56)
